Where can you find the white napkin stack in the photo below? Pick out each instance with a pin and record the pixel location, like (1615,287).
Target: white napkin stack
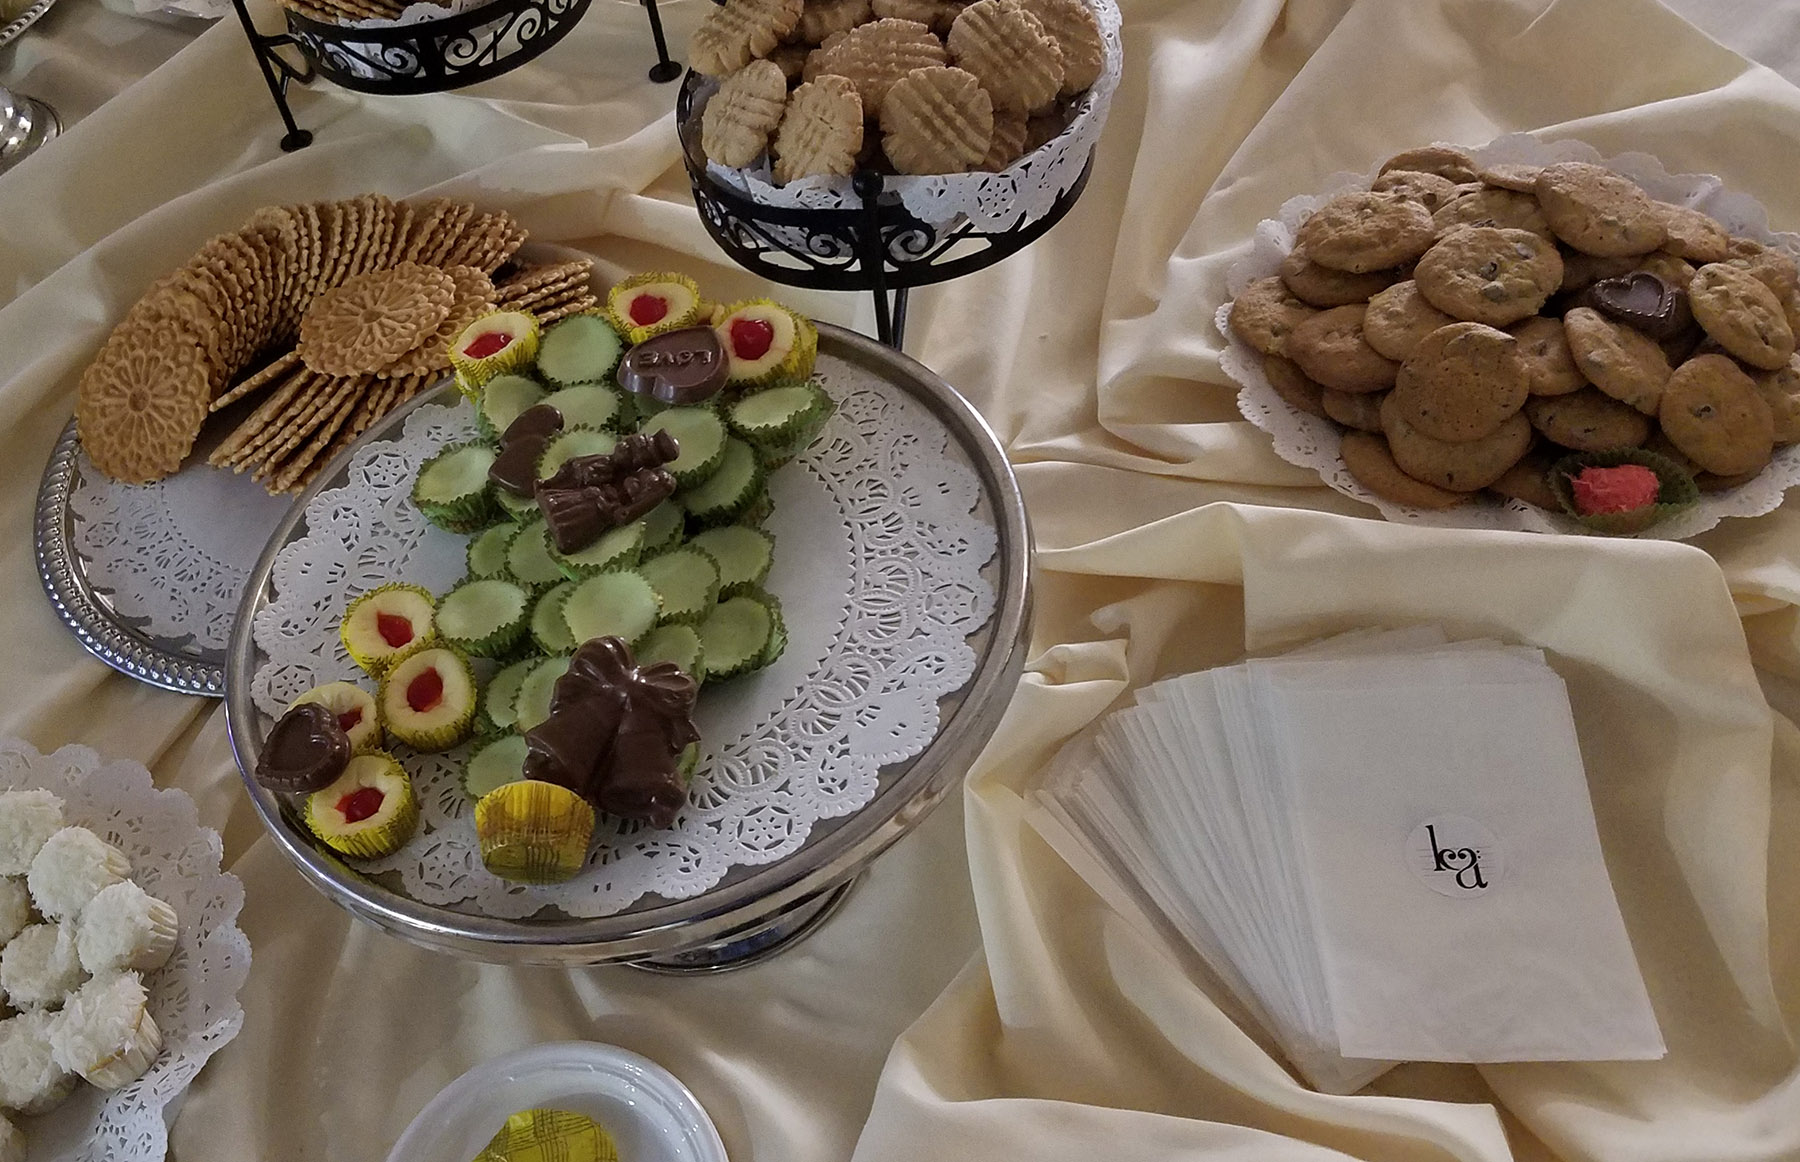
(1382,843)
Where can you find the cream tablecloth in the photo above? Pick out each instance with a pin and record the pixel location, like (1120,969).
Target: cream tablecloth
(979,997)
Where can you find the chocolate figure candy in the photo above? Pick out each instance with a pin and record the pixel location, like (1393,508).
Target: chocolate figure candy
(632,453)
(677,367)
(1643,301)
(306,751)
(590,494)
(570,747)
(515,469)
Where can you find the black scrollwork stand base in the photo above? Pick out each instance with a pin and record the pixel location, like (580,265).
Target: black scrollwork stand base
(432,56)
(879,247)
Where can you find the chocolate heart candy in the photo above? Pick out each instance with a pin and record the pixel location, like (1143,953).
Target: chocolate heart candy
(1643,301)
(515,469)
(305,751)
(677,367)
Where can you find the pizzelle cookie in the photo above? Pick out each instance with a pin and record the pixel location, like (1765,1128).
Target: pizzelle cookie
(1621,362)
(1742,314)
(1329,346)
(1713,412)
(1071,24)
(1597,211)
(1009,51)
(1321,286)
(1466,466)
(1369,460)
(821,131)
(1482,274)
(1399,318)
(1265,314)
(739,118)
(936,120)
(141,402)
(368,322)
(738,31)
(1360,232)
(1462,382)
(873,56)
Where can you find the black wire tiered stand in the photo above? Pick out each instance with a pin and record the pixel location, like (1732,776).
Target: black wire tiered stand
(431,56)
(879,247)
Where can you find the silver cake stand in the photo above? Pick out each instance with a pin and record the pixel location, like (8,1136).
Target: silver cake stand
(753,912)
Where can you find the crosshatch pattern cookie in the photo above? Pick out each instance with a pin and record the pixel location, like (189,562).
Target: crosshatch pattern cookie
(821,131)
(1010,51)
(738,121)
(739,31)
(936,120)
(1509,360)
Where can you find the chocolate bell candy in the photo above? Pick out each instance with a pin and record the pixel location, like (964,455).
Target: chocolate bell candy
(1643,301)
(644,781)
(677,367)
(515,469)
(306,751)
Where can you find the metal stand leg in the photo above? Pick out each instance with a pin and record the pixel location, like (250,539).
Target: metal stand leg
(270,63)
(890,320)
(664,70)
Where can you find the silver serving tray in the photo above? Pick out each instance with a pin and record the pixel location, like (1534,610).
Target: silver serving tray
(16,28)
(173,664)
(753,910)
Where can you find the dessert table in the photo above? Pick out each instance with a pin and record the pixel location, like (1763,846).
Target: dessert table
(978,996)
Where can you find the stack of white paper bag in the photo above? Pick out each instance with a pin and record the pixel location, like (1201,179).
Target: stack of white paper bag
(1382,843)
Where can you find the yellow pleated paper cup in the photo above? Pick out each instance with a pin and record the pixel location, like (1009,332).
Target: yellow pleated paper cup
(533,832)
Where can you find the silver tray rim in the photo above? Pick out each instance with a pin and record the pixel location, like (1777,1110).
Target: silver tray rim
(832,860)
(100,630)
(24,20)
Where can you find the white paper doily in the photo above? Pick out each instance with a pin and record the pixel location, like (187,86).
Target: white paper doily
(1311,442)
(193,998)
(1028,188)
(878,562)
(175,554)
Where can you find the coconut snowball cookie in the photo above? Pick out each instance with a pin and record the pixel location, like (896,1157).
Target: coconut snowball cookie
(31,1082)
(70,870)
(27,820)
(15,913)
(124,927)
(106,1033)
(40,966)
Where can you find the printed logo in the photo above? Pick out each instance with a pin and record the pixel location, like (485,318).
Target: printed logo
(1455,856)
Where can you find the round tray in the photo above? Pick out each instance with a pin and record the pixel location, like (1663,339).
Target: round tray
(753,909)
(16,27)
(432,56)
(877,247)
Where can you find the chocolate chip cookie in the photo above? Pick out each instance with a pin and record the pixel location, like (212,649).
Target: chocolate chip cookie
(1331,349)
(1321,286)
(1427,189)
(1549,364)
(1588,421)
(1265,314)
(1399,318)
(1529,480)
(1367,457)
(1520,178)
(1773,268)
(1293,386)
(1712,411)
(1359,410)
(1484,274)
(1597,211)
(1442,160)
(1460,467)
(1693,235)
(1622,362)
(1780,389)
(1489,206)
(1461,382)
(1364,231)
(1742,314)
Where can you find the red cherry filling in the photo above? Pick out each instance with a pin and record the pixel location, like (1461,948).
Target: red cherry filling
(648,309)
(751,338)
(360,804)
(350,719)
(395,630)
(488,343)
(425,691)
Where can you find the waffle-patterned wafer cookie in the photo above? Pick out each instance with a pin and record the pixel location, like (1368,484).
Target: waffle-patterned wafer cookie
(875,55)
(1009,52)
(740,31)
(737,121)
(821,131)
(1072,26)
(937,120)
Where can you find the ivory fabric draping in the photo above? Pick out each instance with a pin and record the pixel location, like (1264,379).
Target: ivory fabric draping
(981,996)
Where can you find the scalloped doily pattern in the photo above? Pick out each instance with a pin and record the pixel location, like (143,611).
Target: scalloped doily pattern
(879,552)
(1313,443)
(1026,189)
(193,998)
